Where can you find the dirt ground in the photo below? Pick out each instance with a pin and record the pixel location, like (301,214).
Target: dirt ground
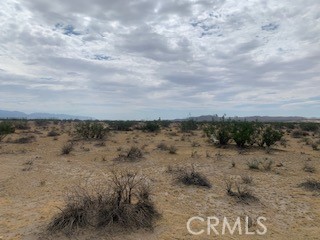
(34,179)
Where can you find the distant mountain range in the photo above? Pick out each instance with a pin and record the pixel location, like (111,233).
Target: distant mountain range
(208,118)
(205,118)
(21,115)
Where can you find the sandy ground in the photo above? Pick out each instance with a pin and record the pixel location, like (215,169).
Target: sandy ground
(29,197)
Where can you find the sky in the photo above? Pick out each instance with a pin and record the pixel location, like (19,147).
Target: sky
(145,59)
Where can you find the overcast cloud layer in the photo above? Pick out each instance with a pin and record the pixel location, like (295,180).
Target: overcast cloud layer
(154,58)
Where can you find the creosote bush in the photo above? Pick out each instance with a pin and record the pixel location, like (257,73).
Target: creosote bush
(21,125)
(122,125)
(188,125)
(125,205)
(151,126)
(91,130)
(5,129)
(243,133)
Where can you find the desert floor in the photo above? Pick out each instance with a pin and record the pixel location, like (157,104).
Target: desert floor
(34,179)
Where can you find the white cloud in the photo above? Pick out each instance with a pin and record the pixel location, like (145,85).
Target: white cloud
(147,58)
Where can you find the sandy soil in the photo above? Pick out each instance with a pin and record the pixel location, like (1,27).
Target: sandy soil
(30,194)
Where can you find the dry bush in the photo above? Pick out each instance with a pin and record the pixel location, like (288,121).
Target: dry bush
(129,205)
(254,164)
(28,165)
(134,154)
(66,148)
(53,133)
(162,146)
(25,140)
(263,165)
(246,179)
(124,205)
(172,149)
(189,176)
(309,168)
(311,185)
(242,193)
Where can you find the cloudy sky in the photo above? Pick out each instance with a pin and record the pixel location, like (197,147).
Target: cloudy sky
(144,59)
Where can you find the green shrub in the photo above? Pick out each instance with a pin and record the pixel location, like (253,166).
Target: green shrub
(21,125)
(188,126)
(299,133)
(219,132)
(164,123)
(242,132)
(5,129)
(91,130)
(151,127)
(309,126)
(122,125)
(271,136)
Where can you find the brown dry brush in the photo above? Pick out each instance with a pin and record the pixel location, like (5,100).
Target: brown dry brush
(241,193)
(134,154)
(125,205)
(189,176)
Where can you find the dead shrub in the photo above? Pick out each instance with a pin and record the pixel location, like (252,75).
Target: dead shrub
(53,133)
(25,140)
(309,168)
(189,176)
(162,146)
(125,205)
(263,165)
(67,148)
(242,193)
(134,154)
(172,149)
(311,185)
(246,179)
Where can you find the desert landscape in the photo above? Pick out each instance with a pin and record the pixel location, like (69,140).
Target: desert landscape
(42,162)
